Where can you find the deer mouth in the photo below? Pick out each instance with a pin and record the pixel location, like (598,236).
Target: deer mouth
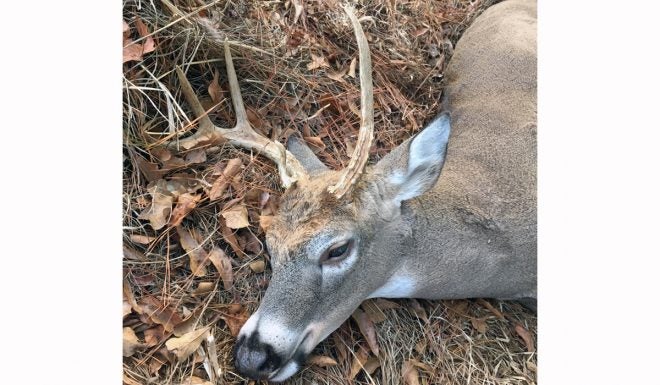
(294,363)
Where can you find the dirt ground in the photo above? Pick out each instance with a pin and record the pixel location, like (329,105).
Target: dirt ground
(195,266)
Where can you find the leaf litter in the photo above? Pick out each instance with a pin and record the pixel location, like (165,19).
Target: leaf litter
(175,200)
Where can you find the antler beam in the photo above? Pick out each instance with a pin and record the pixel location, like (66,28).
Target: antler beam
(242,134)
(360,155)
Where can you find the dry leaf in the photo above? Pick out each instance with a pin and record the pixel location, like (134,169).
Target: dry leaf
(367,329)
(220,185)
(142,239)
(149,44)
(195,157)
(490,307)
(229,237)
(265,221)
(322,361)
(222,263)
(131,343)
(384,304)
(337,76)
(359,359)
(204,288)
(132,51)
(196,381)
(158,212)
(184,205)
(159,314)
(417,309)
(371,365)
(236,217)
(154,336)
(214,88)
(297,5)
(409,373)
(375,314)
(526,336)
(318,62)
(186,345)
(235,321)
(198,256)
(479,325)
(258,266)
(126,308)
(189,324)
(351,68)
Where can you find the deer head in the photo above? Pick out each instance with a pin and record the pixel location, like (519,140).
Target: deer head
(334,241)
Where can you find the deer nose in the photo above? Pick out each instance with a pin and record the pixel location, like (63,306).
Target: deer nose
(255,359)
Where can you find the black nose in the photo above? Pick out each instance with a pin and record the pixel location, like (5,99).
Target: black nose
(255,359)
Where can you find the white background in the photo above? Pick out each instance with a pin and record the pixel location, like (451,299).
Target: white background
(598,192)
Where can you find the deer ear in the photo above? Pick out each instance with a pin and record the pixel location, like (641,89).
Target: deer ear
(305,156)
(414,166)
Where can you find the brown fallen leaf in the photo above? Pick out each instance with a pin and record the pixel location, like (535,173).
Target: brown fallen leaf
(149,44)
(318,61)
(159,314)
(204,288)
(190,323)
(229,237)
(371,365)
(222,264)
(351,68)
(236,217)
(479,324)
(129,381)
(322,361)
(265,221)
(373,311)
(126,308)
(384,304)
(158,212)
(417,309)
(142,239)
(198,256)
(409,373)
(367,329)
(214,88)
(131,343)
(196,381)
(526,336)
(186,345)
(220,185)
(359,359)
(492,308)
(235,321)
(258,266)
(185,203)
(154,336)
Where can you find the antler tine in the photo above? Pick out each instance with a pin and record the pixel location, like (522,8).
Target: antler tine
(242,134)
(361,152)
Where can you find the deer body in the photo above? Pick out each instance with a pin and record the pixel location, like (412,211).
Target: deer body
(449,213)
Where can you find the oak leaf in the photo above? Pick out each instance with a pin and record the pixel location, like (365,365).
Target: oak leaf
(367,329)
(322,361)
(188,343)
(184,205)
(236,217)
(222,263)
(409,373)
(526,336)
(158,212)
(198,256)
(131,343)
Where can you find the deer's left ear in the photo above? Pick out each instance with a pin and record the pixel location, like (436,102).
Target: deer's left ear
(414,166)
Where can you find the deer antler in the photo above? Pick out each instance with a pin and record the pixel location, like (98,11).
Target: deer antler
(361,152)
(241,135)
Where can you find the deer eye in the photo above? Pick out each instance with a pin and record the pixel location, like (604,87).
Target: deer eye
(337,252)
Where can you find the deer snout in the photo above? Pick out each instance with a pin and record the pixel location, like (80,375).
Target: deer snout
(254,358)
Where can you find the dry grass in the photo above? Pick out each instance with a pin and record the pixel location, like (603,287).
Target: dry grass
(411,42)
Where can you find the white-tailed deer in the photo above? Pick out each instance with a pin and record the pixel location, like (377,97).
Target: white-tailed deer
(401,228)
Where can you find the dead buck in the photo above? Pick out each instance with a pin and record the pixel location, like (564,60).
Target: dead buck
(390,230)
